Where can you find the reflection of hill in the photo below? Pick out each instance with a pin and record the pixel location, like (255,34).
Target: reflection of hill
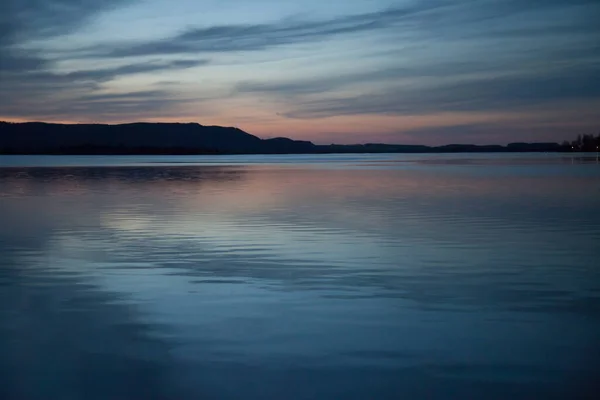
(80,179)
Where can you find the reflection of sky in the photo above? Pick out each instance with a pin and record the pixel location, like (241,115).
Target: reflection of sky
(442,279)
(357,219)
(337,71)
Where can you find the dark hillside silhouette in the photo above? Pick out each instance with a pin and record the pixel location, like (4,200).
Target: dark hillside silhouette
(193,138)
(136,138)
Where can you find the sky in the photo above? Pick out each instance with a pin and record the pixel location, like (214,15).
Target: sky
(334,71)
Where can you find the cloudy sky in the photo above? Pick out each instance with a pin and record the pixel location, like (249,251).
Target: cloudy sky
(344,71)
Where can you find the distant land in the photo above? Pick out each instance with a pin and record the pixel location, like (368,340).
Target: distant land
(192,138)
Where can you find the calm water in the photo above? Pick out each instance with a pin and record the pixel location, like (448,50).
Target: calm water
(305,277)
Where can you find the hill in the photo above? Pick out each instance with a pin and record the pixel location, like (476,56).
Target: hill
(193,138)
(137,138)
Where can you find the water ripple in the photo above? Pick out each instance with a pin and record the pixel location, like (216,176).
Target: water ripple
(368,276)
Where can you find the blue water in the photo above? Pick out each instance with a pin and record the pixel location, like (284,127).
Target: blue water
(300,277)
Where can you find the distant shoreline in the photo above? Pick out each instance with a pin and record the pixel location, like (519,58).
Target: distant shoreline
(159,153)
(38,138)
(182,152)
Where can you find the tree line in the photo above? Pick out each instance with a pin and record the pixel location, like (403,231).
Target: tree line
(583,143)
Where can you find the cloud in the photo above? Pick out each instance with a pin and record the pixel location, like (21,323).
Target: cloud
(505,94)
(22,20)
(31,93)
(482,56)
(417,58)
(98,107)
(15,61)
(53,79)
(425,89)
(25,20)
(104,74)
(439,19)
(415,74)
(254,37)
(32,86)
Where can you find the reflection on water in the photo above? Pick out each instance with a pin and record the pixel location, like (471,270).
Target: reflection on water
(376,277)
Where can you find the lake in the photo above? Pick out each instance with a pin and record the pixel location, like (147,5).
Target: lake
(458,276)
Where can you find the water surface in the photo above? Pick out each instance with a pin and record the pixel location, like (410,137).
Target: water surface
(300,277)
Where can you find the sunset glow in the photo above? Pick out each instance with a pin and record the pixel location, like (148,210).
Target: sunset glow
(357,71)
